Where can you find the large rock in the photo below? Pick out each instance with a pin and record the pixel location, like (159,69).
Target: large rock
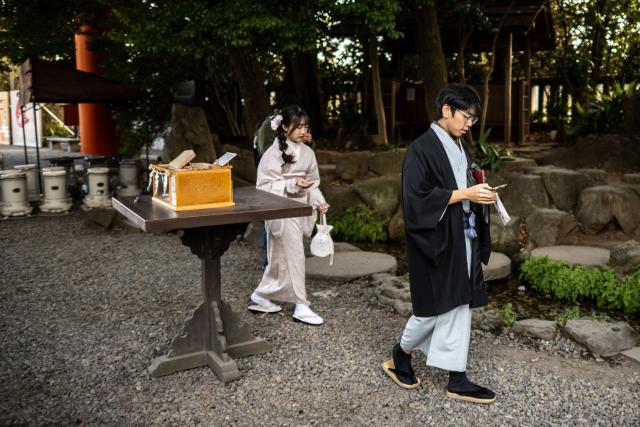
(543,329)
(603,338)
(395,228)
(189,131)
(327,173)
(575,255)
(381,194)
(539,170)
(595,177)
(486,320)
(625,256)
(348,266)
(546,226)
(518,164)
(525,194)
(395,292)
(505,235)
(244,164)
(387,162)
(341,198)
(631,178)
(499,267)
(600,205)
(564,186)
(353,166)
(327,157)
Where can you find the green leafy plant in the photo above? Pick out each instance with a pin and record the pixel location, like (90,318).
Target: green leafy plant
(358,224)
(509,316)
(600,115)
(52,128)
(568,314)
(573,283)
(489,156)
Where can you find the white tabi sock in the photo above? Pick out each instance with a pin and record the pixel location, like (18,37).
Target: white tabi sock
(260,300)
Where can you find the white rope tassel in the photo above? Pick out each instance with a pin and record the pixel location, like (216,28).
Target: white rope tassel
(151,177)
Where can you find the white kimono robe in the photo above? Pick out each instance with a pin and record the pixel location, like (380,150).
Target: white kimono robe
(284,278)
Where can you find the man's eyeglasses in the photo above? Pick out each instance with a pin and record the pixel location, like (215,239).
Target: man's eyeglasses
(467,117)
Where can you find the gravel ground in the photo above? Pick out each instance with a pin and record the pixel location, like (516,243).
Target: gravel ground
(85,310)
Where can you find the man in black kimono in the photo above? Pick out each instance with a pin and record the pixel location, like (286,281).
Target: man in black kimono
(447,234)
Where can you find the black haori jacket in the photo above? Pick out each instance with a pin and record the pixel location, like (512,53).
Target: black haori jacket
(435,247)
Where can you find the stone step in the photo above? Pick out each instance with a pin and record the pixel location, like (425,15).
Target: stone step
(575,255)
(350,266)
(633,354)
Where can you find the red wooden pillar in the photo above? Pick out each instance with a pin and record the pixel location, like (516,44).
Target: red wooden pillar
(97,126)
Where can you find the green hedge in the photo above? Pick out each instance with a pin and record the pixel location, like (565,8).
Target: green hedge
(358,225)
(572,283)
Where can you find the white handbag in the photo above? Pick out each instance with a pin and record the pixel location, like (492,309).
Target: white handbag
(322,244)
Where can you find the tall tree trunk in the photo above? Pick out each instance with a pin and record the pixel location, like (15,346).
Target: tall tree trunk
(304,70)
(430,56)
(489,70)
(250,77)
(377,90)
(599,40)
(464,33)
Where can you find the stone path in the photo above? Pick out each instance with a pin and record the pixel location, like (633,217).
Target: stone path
(576,255)
(351,263)
(348,266)
(85,310)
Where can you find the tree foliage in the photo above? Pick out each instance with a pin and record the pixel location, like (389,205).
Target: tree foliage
(156,44)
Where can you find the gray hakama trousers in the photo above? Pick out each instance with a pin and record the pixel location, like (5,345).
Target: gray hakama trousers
(444,339)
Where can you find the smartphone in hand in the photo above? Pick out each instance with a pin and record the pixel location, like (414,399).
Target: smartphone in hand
(499,187)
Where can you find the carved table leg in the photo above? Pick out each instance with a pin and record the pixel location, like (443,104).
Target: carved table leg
(213,334)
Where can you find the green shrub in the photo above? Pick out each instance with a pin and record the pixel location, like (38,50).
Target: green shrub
(509,316)
(603,115)
(358,225)
(488,156)
(573,283)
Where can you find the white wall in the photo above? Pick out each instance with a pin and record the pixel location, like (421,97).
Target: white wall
(16,123)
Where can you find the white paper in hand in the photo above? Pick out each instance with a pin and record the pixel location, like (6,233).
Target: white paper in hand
(502,212)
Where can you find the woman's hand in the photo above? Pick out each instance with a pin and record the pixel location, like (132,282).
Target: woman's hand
(323,208)
(303,182)
(481,194)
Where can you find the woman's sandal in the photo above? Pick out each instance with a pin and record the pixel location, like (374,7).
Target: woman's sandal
(271,308)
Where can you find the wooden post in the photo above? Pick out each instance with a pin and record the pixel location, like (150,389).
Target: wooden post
(525,96)
(377,91)
(97,127)
(507,89)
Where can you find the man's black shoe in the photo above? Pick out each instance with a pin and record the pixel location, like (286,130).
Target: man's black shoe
(399,369)
(480,395)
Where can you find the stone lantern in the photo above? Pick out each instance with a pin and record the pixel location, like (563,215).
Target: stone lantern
(99,191)
(55,196)
(13,193)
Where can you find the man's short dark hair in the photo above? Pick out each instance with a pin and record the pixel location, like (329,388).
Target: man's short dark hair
(460,97)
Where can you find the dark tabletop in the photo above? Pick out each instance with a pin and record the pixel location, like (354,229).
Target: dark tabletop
(251,205)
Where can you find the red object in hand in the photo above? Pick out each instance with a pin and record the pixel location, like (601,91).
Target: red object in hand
(478,175)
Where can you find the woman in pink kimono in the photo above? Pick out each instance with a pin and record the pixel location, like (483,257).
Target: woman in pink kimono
(288,168)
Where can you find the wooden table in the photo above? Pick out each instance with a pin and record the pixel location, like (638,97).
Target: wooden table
(214,334)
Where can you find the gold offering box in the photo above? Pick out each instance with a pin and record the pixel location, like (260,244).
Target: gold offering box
(200,186)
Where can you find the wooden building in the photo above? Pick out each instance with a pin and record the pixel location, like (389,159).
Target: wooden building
(527,28)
